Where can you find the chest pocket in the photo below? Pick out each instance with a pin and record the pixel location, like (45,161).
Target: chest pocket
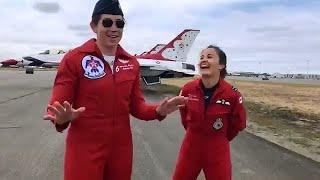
(124,84)
(218,117)
(194,106)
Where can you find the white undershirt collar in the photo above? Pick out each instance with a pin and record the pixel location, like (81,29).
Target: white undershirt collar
(110,60)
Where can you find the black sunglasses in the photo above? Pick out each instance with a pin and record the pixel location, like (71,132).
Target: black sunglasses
(107,22)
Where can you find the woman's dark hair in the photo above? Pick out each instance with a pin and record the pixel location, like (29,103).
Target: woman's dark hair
(222,60)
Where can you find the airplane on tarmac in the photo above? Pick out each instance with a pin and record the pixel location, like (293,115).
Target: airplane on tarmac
(9,63)
(169,58)
(161,60)
(48,58)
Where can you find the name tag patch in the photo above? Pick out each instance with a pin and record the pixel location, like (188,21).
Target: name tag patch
(125,67)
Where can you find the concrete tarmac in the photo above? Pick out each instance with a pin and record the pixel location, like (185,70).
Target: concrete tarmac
(30,149)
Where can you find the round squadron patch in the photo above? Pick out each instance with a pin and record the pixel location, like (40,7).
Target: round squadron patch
(218,124)
(93,67)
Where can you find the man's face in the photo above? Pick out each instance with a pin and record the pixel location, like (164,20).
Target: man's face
(108,31)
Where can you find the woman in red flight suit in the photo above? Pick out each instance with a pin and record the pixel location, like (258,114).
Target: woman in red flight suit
(213,116)
(95,90)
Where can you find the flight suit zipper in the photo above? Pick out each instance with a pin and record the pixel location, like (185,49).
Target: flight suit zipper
(114,91)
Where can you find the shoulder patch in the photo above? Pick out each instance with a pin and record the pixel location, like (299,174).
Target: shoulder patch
(240,100)
(93,67)
(234,89)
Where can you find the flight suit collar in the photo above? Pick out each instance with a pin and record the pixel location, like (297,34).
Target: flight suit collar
(220,88)
(91,47)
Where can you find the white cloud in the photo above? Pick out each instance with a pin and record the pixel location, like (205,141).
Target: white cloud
(47,7)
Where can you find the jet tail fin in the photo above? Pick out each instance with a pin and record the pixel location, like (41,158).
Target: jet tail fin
(156,49)
(179,47)
(175,50)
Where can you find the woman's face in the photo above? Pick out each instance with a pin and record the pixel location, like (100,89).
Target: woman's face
(209,63)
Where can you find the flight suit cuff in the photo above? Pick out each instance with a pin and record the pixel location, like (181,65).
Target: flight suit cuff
(160,117)
(61,127)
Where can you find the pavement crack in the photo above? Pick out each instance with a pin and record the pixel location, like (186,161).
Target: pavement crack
(10,127)
(25,95)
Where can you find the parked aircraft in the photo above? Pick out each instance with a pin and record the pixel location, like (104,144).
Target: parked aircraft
(162,60)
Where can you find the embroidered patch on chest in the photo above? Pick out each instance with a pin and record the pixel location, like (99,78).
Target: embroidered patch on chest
(218,124)
(93,67)
(223,102)
(124,61)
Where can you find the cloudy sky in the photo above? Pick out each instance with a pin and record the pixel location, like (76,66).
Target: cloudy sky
(257,35)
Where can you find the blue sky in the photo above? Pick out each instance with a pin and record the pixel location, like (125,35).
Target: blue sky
(257,35)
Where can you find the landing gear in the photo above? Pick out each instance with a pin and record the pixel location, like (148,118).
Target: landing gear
(29,70)
(151,80)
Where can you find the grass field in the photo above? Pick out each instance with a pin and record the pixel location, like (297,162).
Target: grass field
(286,114)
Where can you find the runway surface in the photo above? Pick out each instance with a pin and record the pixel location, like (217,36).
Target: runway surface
(30,149)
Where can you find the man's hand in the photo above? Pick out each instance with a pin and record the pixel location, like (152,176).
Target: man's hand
(63,114)
(169,105)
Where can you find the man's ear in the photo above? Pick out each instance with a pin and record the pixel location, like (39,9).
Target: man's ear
(93,27)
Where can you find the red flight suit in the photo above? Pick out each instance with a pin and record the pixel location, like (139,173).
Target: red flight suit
(99,142)
(208,131)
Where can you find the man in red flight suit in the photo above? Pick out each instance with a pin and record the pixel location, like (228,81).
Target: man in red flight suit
(95,89)
(213,116)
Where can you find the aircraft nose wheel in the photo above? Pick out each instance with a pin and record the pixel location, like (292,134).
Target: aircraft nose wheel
(29,70)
